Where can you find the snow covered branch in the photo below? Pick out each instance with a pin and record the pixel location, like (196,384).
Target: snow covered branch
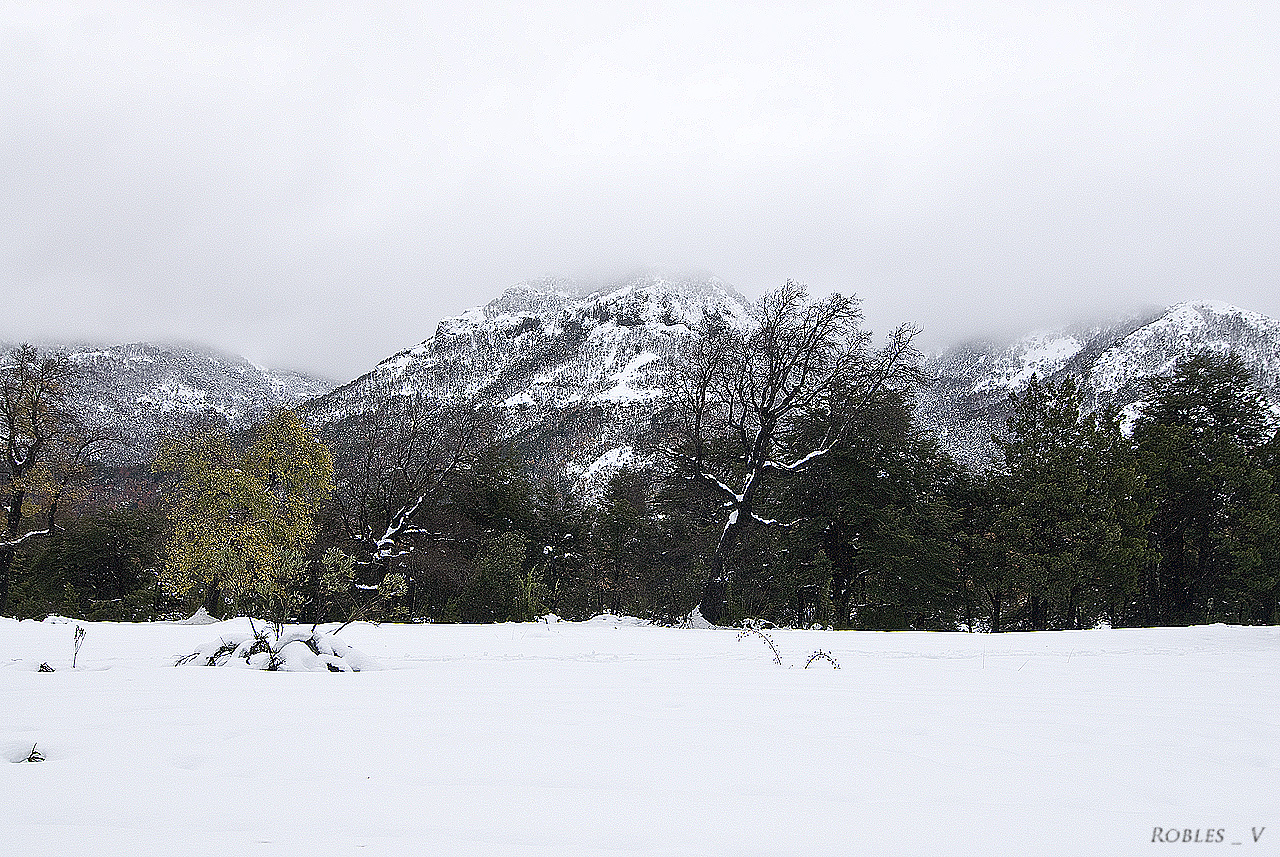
(13,543)
(799,464)
(773,522)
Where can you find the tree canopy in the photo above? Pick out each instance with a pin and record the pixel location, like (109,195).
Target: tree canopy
(242,520)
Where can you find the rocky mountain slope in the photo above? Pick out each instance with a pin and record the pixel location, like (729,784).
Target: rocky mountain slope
(575,369)
(578,370)
(137,392)
(968,401)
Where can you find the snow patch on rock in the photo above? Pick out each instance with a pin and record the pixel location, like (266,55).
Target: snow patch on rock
(1038,354)
(625,387)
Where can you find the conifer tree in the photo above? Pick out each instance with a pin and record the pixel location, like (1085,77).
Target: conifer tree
(876,509)
(1202,444)
(621,539)
(560,536)
(983,553)
(503,589)
(1069,515)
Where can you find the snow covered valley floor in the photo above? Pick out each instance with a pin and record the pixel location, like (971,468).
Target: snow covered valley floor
(607,737)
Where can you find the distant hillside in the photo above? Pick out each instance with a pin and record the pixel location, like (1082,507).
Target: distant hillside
(968,401)
(140,391)
(577,370)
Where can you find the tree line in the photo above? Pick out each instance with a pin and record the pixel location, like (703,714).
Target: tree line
(787,481)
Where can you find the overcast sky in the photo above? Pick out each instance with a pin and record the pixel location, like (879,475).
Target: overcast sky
(315,185)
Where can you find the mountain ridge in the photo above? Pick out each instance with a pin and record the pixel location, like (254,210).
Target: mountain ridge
(573,373)
(134,393)
(1112,361)
(576,369)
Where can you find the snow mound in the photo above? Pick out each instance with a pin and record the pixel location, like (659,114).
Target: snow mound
(614,619)
(200,617)
(293,651)
(695,619)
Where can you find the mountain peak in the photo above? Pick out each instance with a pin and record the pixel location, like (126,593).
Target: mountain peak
(574,365)
(612,318)
(685,282)
(1210,306)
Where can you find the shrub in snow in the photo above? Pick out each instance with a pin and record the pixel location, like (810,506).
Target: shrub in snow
(820,655)
(79,641)
(289,651)
(754,630)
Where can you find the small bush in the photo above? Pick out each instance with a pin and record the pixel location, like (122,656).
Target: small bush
(291,651)
(820,655)
(753,629)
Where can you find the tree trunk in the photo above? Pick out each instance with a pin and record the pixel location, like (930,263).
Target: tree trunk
(841,594)
(411,593)
(6,562)
(1039,613)
(1205,589)
(716,588)
(13,517)
(717,585)
(615,585)
(213,599)
(711,606)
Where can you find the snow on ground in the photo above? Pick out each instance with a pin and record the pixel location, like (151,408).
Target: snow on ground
(619,738)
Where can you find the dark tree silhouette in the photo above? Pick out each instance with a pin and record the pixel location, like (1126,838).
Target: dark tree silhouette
(747,401)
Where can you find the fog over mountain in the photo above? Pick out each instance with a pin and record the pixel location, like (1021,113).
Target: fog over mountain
(575,371)
(314,185)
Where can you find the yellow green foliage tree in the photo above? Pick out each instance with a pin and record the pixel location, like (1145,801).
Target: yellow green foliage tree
(243,521)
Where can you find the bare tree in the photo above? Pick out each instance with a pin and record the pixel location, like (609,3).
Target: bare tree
(748,400)
(392,462)
(45,444)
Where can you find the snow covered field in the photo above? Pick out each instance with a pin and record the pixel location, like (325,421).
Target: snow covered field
(611,738)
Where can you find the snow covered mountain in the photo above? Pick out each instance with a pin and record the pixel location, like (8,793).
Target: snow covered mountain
(137,392)
(575,368)
(968,401)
